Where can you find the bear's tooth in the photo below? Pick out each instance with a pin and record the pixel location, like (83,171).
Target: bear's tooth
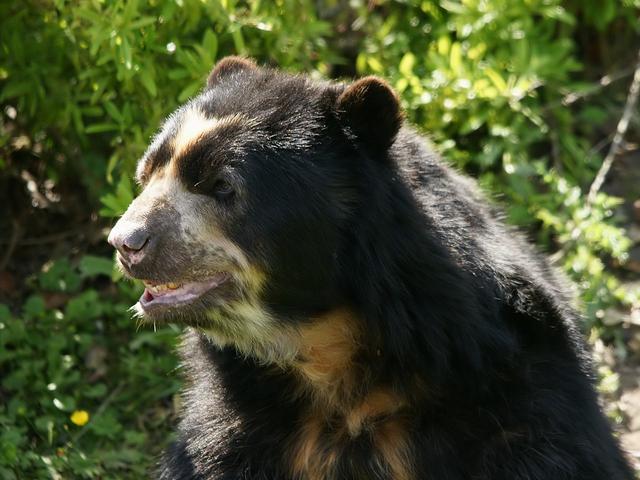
(173,286)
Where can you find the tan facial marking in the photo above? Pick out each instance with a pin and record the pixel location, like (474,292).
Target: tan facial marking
(144,168)
(248,325)
(195,125)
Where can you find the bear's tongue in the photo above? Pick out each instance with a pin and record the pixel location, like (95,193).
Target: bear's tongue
(174,294)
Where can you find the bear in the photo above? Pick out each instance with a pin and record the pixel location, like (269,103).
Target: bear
(353,308)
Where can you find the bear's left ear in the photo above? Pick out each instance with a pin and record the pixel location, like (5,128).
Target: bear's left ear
(371,110)
(228,66)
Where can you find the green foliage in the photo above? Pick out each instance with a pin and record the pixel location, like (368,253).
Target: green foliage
(502,87)
(97,78)
(68,351)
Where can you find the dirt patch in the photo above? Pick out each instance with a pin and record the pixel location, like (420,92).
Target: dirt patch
(629,404)
(624,182)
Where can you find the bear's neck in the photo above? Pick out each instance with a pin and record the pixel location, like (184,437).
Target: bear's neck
(344,398)
(332,396)
(336,366)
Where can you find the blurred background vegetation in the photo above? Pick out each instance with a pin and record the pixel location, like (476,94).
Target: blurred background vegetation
(523,94)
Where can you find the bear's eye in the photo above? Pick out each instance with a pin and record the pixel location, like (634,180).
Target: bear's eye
(222,189)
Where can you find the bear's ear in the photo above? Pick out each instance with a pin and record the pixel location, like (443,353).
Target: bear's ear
(228,66)
(371,110)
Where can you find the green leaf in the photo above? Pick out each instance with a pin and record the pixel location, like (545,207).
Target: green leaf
(148,82)
(5,313)
(33,307)
(189,91)
(496,79)
(455,58)
(112,110)
(444,43)
(84,307)
(118,202)
(101,128)
(453,7)
(98,390)
(142,22)
(15,89)
(210,44)
(375,65)
(59,276)
(238,41)
(91,266)
(406,64)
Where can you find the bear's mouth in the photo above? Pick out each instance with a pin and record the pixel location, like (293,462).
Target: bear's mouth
(171,294)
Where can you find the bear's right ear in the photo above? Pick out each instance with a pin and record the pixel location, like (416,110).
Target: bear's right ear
(370,109)
(228,66)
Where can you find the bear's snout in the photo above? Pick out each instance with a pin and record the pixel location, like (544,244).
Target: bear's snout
(151,239)
(145,236)
(132,242)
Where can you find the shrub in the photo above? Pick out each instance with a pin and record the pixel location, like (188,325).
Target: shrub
(505,89)
(81,396)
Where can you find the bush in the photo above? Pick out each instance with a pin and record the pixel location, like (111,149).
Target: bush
(82,397)
(506,89)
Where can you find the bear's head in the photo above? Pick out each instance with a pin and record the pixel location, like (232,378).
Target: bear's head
(249,192)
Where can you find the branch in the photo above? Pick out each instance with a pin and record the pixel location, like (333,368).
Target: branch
(573,97)
(114,393)
(11,245)
(618,139)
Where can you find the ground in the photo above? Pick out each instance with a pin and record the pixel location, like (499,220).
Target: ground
(629,402)
(624,181)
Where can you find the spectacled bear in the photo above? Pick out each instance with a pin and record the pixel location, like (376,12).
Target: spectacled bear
(354,308)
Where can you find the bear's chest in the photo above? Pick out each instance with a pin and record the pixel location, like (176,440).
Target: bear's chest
(372,440)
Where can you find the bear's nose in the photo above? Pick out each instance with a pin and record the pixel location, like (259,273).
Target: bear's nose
(130,243)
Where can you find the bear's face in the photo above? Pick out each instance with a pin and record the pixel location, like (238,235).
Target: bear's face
(246,193)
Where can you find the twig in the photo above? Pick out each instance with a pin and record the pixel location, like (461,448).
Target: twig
(599,146)
(621,130)
(11,245)
(114,393)
(573,97)
(51,238)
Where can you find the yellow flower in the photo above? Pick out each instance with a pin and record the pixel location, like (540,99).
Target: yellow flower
(80,417)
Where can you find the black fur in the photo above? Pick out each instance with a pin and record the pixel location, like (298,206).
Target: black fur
(343,206)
